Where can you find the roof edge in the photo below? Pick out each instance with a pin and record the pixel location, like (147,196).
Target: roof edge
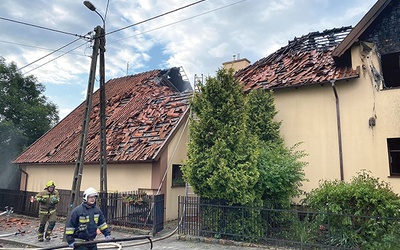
(361,26)
(185,117)
(317,83)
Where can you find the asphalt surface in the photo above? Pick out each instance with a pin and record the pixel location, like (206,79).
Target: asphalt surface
(20,232)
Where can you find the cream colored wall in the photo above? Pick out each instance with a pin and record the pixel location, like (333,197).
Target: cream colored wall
(236,64)
(120,177)
(177,151)
(308,115)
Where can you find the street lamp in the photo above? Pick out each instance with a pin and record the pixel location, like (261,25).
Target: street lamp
(91,7)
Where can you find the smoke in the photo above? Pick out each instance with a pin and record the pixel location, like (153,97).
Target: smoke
(11,141)
(10,176)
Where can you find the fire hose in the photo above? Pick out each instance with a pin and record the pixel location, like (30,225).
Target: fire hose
(77,244)
(10,234)
(9,210)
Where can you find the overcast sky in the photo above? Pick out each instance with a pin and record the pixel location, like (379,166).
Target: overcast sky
(199,37)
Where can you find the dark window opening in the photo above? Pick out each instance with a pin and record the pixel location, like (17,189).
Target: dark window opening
(177,176)
(344,60)
(391,70)
(394,155)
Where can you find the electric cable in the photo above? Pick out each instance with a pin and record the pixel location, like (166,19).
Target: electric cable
(49,54)
(155,17)
(41,27)
(54,58)
(85,37)
(105,15)
(31,46)
(182,20)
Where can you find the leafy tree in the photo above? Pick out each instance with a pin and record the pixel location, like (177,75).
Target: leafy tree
(25,114)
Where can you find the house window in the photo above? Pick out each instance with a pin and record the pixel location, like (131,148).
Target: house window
(394,156)
(391,70)
(177,177)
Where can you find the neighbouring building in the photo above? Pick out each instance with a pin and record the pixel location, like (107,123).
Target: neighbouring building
(146,134)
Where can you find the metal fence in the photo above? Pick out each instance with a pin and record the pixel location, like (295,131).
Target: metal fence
(286,228)
(129,209)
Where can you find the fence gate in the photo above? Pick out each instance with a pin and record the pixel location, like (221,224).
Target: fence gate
(158,213)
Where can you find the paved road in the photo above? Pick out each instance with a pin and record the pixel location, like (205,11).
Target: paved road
(174,243)
(13,223)
(169,243)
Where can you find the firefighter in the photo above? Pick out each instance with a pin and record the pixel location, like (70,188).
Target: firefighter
(48,200)
(84,221)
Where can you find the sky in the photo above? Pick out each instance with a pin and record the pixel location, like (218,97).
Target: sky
(44,38)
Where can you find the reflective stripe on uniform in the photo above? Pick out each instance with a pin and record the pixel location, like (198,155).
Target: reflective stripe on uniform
(84,219)
(102,226)
(47,212)
(96,218)
(69,230)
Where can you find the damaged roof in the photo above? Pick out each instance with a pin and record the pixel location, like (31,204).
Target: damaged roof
(142,113)
(304,61)
(361,26)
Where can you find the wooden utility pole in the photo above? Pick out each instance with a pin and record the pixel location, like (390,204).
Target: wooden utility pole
(76,183)
(103,139)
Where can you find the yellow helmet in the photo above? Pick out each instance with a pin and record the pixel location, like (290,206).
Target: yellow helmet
(50,184)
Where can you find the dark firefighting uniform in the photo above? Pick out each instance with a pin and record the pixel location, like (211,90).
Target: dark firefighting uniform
(83,224)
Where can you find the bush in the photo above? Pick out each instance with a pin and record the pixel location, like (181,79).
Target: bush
(370,205)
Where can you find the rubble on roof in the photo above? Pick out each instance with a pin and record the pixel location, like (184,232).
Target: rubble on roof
(142,111)
(304,61)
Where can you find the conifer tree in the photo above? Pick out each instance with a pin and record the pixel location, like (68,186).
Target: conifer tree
(235,151)
(221,161)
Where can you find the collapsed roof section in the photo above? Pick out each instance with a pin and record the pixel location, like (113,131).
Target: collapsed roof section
(142,112)
(304,61)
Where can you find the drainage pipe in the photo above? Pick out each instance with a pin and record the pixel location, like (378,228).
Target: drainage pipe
(339,130)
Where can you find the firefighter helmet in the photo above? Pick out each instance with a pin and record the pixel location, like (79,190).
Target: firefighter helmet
(50,184)
(89,192)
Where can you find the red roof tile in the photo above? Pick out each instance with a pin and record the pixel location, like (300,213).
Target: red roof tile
(304,61)
(141,113)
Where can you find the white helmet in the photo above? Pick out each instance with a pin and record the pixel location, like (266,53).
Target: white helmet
(89,192)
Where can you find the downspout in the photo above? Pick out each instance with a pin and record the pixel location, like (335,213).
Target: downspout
(339,130)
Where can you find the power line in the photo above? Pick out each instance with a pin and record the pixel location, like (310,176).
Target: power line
(166,13)
(182,20)
(55,58)
(41,27)
(31,46)
(49,54)
(105,15)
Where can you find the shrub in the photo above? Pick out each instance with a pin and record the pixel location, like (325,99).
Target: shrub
(370,207)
